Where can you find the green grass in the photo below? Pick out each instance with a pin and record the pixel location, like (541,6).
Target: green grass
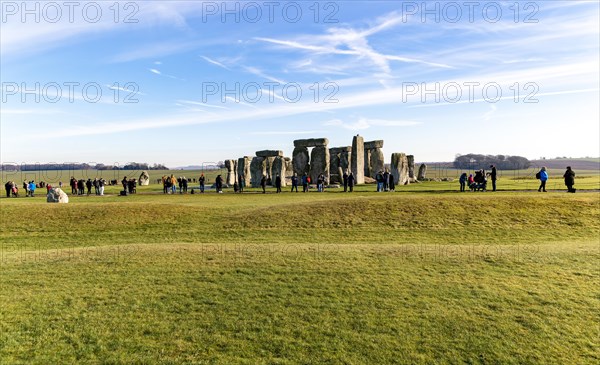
(417,277)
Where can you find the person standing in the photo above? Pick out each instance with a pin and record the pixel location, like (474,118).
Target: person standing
(241,182)
(463,181)
(304,183)
(386,180)
(351,181)
(569,179)
(184,181)
(32,188)
(202,181)
(295,182)
(124,182)
(543,177)
(391,183)
(89,184)
(26,188)
(219,184)
(493,176)
(173,184)
(101,184)
(345,181)
(278,183)
(8,189)
(263,183)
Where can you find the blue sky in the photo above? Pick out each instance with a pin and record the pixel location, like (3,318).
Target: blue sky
(371,62)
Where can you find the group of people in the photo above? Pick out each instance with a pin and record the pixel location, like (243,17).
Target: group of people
(78,187)
(385,181)
(170,184)
(569,177)
(129,185)
(479,181)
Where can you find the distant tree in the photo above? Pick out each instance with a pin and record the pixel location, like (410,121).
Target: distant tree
(502,162)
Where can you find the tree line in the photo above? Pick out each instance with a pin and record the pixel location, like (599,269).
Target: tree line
(502,162)
(81,166)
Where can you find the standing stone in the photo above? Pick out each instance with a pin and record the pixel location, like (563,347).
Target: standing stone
(144,179)
(319,163)
(358,159)
(300,160)
(368,169)
(422,172)
(377,161)
(400,168)
(243,168)
(278,169)
(334,166)
(230,165)
(411,166)
(345,158)
(289,169)
(269,167)
(56,195)
(257,170)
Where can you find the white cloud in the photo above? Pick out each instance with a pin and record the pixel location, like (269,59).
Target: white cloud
(217,63)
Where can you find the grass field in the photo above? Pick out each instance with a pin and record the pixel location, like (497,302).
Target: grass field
(424,275)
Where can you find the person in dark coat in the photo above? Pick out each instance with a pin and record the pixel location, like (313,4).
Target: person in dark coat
(351,182)
(304,183)
(391,183)
(345,180)
(125,183)
(219,184)
(263,183)
(88,185)
(278,183)
(241,182)
(202,181)
(569,179)
(463,181)
(8,188)
(184,181)
(386,180)
(493,177)
(295,182)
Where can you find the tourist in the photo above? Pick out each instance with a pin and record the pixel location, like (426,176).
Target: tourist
(14,189)
(96,186)
(26,188)
(184,182)
(173,184)
(60,184)
(493,177)
(32,188)
(125,182)
(73,184)
(295,182)
(241,182)
(219,184)
(379,179)
(471,181)
(89,184)
(263,183)
(570,180)
(386,180)
(236,187)
(391,183)
(278,183)
(81,187)
(8,188)
(542,175)
(345,181)
(351,181)
(101,184)
(304,183)
(463,181)
(202,180)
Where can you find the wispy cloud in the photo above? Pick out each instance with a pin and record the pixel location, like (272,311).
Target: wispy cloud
(284,133)
(365,123)
(216,63)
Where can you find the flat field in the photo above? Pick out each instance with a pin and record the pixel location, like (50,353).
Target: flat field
(420,276)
